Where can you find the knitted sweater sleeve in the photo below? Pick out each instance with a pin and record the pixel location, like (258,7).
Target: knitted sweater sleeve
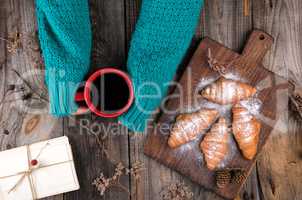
(65,39)
(163,33)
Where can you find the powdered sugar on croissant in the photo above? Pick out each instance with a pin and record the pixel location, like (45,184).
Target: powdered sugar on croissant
(189,125)
(226,91)
(246,129)
(215,144)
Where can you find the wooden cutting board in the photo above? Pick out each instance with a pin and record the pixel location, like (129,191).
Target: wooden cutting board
(188,159)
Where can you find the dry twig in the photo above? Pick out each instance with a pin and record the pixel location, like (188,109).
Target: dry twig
(103,183)
(14,89)
(29,86)
(177,191)
(13,42)
(214,64)
(296,100)
(217,66)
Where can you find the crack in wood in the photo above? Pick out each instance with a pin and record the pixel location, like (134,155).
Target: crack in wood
(272,185)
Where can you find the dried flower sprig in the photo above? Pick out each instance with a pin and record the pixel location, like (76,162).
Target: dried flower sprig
(136,170)
(296,100)
(31,47)
(177,191)
(30,87)
(217,66)
(103,183)
(214,64)
(13,42)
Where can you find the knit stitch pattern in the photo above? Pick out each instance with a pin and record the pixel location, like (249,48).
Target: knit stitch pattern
(65,39)
(162,35)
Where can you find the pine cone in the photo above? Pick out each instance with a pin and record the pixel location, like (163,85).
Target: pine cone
(223,177)
(238,176)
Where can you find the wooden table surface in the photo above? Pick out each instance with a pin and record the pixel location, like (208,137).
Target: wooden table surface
(278,172)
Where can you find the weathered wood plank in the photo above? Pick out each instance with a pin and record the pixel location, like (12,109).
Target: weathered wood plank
(279,167)
(27,80)
(132,12)
(25,121)
(225,23)
(108,19)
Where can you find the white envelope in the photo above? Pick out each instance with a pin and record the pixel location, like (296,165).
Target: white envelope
(54,174)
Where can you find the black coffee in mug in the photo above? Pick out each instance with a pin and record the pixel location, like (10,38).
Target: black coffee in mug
(112,93)
(108,93)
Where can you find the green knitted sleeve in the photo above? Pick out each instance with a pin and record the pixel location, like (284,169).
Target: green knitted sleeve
(65,39)
(163,33)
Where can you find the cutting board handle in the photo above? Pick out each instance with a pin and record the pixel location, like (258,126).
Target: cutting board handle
(257,46)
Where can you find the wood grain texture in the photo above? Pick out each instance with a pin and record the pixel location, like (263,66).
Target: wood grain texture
(108,50)
(21,120)
(221,20)
(279,166)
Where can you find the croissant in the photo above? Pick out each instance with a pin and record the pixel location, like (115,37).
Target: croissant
(188,126)
(215,144)
(226,91)
(246,129)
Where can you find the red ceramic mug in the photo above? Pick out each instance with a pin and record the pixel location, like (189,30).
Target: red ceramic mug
(113,79)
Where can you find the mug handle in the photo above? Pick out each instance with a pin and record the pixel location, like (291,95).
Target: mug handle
(79,97)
